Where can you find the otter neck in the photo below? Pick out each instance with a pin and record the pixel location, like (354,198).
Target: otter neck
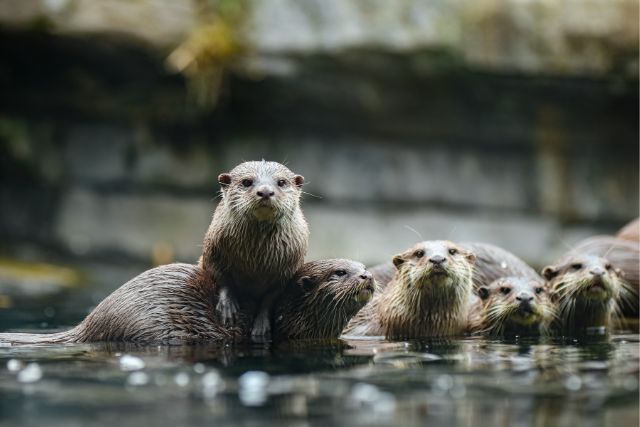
(585,314)
(435,309)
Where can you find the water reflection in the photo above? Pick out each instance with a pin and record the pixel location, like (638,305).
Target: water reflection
(359,382)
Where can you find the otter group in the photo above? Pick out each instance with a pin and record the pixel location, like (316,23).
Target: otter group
(251,282)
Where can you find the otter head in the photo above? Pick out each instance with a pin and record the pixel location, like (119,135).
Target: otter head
(326,294)
(515,305)
(585,278)
(586,290)
(430,265)
(261,191)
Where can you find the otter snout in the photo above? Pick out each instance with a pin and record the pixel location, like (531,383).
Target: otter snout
(598,271)
(265,192)
(366,276)
(437,260)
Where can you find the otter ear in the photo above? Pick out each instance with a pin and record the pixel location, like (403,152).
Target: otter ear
(398,260)
(299,180)
(550,271)
(483,292)
(305,282)
(471,257)
(224,179)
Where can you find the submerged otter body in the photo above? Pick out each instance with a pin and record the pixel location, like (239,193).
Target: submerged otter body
(321,299)
(428,296)
(586,290)
(256,241)
(170,304)
(512,306)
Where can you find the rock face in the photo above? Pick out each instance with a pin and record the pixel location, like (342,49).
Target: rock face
(511,122)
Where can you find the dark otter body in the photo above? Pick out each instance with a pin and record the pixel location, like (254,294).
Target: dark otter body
(321,299)
(512,306)
(429,295)
(256,241)
(170,304)
(586,290)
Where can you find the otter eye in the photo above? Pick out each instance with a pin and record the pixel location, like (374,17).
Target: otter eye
(539,290)
(282,183)
(505,290)
(576,266)
(419,254)
(608,266)
(340,272)
(247,182)
(453,251)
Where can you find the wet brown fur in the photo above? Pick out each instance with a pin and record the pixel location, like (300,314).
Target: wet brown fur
(421,300)
(320,300)
(252,250)
(171,304)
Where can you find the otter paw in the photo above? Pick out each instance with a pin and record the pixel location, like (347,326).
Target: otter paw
(228,309)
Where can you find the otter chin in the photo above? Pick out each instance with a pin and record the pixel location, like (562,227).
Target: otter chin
(428,295)
(321,299)
(586,290)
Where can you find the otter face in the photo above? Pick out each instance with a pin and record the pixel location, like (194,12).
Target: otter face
(264,191)
(435,263)
(584,277)
(343,284)
(515,303)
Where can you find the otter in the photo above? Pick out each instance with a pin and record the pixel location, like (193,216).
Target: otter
(630,232)
(256,241)
(170,304)
(624,255)
(512,306)
(428,296)
(586,290)
(321,299)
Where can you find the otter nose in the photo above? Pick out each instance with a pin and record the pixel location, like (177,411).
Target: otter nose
(524,297)
(437,259)
(265,192)
(597,271)
(366,276)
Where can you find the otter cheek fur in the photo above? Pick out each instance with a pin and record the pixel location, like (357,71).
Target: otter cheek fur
(428,296)
(321,299)
(586,290)
(256,241)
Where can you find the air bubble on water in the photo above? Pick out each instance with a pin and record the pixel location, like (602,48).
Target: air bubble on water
(444,382)
(253,385)
(30,374)
(370,395)
(138,379)
(573,383)
(14,365)
(131,363)
(181,379)
(199,368)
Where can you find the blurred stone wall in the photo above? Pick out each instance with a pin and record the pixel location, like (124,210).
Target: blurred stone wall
(503,121)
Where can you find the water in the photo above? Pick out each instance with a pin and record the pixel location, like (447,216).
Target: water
(457,382)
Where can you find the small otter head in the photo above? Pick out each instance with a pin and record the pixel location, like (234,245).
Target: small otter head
(586,289)
(324,295)
(263,191)
(434,264)
(516,305)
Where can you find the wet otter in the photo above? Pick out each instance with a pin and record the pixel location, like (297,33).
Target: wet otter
(429,295)
(170,304)
(321,299)
(624,255)
(512,306)
(586,290)
(256,241)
